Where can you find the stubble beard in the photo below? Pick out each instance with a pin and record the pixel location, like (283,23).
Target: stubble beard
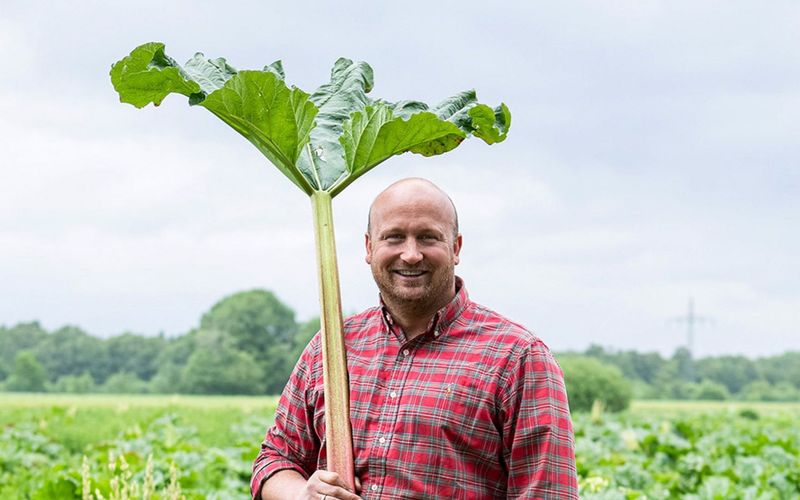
(425,299)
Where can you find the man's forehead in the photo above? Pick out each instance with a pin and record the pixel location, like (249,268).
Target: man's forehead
(412,197)
(412,193)
(420,204)
(397,211)
(410,221)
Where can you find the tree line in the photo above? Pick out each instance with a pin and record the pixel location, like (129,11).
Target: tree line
(651,376)
(248,342)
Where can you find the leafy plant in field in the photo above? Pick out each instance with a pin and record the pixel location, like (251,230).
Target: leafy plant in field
(689,453)
(321,142)
(167,460)
(715,455)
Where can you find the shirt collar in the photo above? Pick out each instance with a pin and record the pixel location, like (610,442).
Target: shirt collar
(443,316)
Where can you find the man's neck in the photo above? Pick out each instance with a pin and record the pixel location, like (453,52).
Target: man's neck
(413,325)
(412,318)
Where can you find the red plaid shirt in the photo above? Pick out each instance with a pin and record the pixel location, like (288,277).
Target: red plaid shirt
(473,409)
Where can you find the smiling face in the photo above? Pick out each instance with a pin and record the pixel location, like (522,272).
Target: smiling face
(412,247)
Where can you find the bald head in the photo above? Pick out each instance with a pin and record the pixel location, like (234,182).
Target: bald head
(413,190)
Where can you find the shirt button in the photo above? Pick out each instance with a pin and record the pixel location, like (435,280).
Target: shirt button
(374,487)
(393,394)
(406,352)
(436,333)
(382,440)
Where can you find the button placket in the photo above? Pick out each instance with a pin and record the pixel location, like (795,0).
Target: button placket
(380,448)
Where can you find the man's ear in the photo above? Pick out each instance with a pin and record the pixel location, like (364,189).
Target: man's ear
(368,245)
(457,248)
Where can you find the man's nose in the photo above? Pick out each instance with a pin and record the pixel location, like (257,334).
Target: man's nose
(411,254)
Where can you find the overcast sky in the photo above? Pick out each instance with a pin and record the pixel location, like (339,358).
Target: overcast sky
(653,157)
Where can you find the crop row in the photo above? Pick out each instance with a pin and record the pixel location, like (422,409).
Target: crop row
(174,451)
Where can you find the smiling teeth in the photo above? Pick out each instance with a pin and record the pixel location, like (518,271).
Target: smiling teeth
(410,273)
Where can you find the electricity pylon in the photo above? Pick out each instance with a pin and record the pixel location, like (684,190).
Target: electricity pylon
(691,319)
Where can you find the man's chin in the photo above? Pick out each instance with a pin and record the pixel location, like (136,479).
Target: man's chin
(407,294)
(410,294)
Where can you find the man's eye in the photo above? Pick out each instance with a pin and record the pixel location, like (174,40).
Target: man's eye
(394,237)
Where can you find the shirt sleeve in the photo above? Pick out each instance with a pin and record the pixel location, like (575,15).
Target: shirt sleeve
(538,440)
(292,442)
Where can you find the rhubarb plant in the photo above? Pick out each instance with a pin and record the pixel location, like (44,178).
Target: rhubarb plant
(322,142)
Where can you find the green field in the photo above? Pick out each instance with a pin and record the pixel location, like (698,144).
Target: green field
(693,407)
(210,440)
(202,447)
(693,450)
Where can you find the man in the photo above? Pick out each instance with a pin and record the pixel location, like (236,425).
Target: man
(448,399)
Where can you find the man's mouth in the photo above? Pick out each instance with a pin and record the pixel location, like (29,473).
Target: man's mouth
(409,273)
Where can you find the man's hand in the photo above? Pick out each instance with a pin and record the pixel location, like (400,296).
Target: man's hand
(322,485)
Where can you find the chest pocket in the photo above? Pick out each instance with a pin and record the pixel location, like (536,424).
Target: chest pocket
(465,407)
(456,416)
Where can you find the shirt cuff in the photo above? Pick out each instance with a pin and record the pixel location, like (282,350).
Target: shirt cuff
(268,470)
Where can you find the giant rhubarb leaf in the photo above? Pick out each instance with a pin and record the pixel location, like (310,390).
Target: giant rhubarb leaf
(322,141)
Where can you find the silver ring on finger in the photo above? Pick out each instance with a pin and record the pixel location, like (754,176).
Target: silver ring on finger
(324,497)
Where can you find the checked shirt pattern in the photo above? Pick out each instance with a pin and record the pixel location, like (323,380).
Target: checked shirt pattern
(473,409)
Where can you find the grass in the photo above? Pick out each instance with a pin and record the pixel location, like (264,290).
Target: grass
(79,420)
(124,401)
(649,407)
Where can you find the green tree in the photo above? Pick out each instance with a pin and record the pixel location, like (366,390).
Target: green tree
(216,367)
(644,365)
(305,332)
(178,349)
(171,361)
(71,351)
(634,365)
(588,380)
(124,383)
(761,390)
(643,390)
(758,390)
(684,364)
(784,391)
(734,372)
(74,384)
(28,375)
(168,380)
(135,354)
(23,336)
(711,391)
(668,383)
(781,368)
(277,362)
(255,320)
